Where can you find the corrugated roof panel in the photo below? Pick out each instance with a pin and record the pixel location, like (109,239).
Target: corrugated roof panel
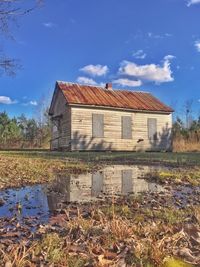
(97,96)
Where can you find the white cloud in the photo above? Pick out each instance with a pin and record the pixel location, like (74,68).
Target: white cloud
(193,2)
(85,80)
(127,82)
(95,70)
(7,100)
(139,54)
(158,36)
(33,103)
(197,45)
(150,72)
(48,24)
(30,103)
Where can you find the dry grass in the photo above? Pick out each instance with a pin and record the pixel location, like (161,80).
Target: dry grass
(18,256)
(20,171)
(102,242)
(177,176)
(182,145)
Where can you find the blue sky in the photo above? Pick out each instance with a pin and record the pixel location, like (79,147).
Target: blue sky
(141,45)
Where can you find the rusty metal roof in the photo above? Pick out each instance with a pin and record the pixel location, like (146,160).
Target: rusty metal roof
(97,96)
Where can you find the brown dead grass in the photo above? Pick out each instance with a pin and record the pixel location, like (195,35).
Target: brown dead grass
(181,145)
(20,171)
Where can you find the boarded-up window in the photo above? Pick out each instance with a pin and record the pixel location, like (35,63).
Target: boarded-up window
(97,183)
(126,127)
(152,129)
(127,181)
(97,125)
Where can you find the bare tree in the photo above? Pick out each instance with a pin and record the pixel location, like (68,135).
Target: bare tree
(188,111)
(10,12)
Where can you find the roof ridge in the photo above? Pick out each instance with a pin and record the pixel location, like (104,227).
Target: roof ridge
(80,84)
(103,88)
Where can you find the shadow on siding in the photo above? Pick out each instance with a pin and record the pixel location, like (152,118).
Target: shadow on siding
(82,142)
(162,141)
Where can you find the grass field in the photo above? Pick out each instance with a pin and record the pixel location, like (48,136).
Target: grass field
(107,233)
(111,157)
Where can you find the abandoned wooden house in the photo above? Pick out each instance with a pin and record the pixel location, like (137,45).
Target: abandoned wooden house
(95,118)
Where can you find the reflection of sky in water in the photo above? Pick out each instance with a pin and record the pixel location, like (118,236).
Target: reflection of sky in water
(112,180)
(32,199)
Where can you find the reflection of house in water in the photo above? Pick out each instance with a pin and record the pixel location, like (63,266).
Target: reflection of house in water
(117,179)
(120,179)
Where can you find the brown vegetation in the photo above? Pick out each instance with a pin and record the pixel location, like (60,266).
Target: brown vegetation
(89,236)
(16,171)
(186,138)
(185,145)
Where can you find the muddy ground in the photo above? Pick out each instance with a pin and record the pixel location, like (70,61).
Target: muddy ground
(150,228)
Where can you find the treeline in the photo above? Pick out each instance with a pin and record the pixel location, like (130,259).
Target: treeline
(186,135)
(23,132)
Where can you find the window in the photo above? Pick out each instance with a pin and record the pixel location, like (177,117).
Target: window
(97,183)
(97,125)
(152,129)
(127,181)
(56,125)
(126,127)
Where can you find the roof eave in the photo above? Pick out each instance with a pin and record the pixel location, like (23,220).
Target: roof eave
(50,113)
(122,109)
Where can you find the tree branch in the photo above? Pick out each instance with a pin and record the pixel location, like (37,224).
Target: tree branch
(10,10)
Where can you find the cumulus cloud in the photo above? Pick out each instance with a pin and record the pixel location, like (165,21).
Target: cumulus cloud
(86,80)
(193,2)
(150,72)
(95,70)
(127,82)
(139,54)
(197,45)
(7,100)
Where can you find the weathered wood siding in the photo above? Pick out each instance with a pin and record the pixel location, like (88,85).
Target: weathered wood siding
(81,130)
(61,136)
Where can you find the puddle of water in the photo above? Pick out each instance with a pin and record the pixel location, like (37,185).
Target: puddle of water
(39,200)
(185,196)
(29,201)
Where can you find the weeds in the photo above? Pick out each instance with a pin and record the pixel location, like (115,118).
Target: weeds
(105,241)
(18,256)
(51,248)
(15,172)
(177,176)
(122,231)
(171,262)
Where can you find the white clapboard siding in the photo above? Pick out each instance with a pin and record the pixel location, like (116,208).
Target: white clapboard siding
(61,138)
(82,136)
